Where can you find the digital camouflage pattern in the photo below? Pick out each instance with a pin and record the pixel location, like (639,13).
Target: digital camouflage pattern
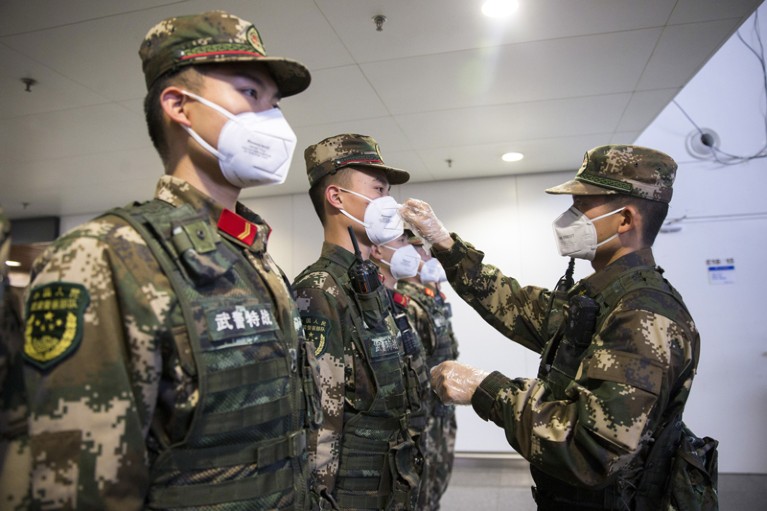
(587,419)
(363,396)
(350,149)
(14,450)
(428,315)
(104,409)
(623,169)
(214,37)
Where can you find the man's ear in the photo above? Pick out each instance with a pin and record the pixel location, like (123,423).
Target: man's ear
(629,218)
(376,252)
(173,103)
(333,196)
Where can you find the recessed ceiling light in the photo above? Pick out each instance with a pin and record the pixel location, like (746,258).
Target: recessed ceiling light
(512,156)
(14,264)
(499,8)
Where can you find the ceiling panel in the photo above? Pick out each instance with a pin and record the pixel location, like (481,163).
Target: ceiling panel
(521,121)
(339,94)
(444,26)
(51,92)
(21,16)
(643,107)
(510,74)
(697,41)
(691,11)
(439,82)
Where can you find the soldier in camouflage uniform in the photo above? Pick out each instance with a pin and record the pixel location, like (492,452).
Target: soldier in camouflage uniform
(14,451)
(430,315)
(394,265)
(364,456)
(619,349)
(166,362)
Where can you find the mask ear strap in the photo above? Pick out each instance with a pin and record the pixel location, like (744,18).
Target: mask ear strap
(600,217)
(226,113)
(355,193)
(212,150)
(347,215)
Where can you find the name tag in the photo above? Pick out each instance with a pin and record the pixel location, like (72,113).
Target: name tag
(239,324)
(383,344)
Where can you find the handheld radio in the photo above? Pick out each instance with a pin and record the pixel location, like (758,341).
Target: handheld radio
(362,274)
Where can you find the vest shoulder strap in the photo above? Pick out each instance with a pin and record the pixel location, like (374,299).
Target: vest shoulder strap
(634,279)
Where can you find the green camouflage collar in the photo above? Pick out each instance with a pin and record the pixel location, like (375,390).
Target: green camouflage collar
(177,192)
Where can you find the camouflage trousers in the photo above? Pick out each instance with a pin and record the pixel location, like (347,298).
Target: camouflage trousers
(438,444)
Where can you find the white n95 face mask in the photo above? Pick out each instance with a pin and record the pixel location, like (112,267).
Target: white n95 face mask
(432,272)
(254,148)
(576,234)
(404,262)
(382,221)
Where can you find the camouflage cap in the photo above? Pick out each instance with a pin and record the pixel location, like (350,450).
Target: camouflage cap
(212,37)
(334,153)
(413,238)
(623,169)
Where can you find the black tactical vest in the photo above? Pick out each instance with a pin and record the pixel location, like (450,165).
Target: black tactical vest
(380,463)
(583,317)
(417,374)
(445,347)
(438,313)
(245,446)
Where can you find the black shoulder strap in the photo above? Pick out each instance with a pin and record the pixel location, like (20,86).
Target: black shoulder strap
(642,277)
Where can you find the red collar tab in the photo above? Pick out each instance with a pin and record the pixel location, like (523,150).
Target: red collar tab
(442,295)
(400,299)
(237,227)
(429,291)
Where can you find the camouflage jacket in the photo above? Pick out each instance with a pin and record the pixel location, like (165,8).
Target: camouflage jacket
(14,455)
(332,319)
(589,423)
(112,390)
(428,314)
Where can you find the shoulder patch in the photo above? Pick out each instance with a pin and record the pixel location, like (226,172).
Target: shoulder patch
(317,329)
(400,299)
(54,325)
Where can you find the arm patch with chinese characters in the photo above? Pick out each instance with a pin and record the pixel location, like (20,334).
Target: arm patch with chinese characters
(317,329)
(54,324)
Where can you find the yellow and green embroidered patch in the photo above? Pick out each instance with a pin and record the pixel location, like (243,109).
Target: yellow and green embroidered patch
(317,329)
(54,326)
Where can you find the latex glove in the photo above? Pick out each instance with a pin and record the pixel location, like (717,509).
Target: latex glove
(455,383)
(420,217)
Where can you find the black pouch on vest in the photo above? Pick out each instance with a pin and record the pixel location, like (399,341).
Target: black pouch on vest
(694,474)
(373,307)
(581,321)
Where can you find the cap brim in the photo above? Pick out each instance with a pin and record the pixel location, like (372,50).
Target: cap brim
(290,76)
(575,187)
(394,176)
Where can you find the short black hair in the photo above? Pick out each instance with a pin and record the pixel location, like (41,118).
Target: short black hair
(342,177)
(188,78)
(653,214)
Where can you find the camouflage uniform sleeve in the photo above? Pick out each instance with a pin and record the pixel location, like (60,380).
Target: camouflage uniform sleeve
(322,318)
(517,312)
(93,387)
(619,390)
(419,319)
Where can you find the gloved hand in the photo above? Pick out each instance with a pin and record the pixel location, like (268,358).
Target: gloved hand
(455,383)
(420,217)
